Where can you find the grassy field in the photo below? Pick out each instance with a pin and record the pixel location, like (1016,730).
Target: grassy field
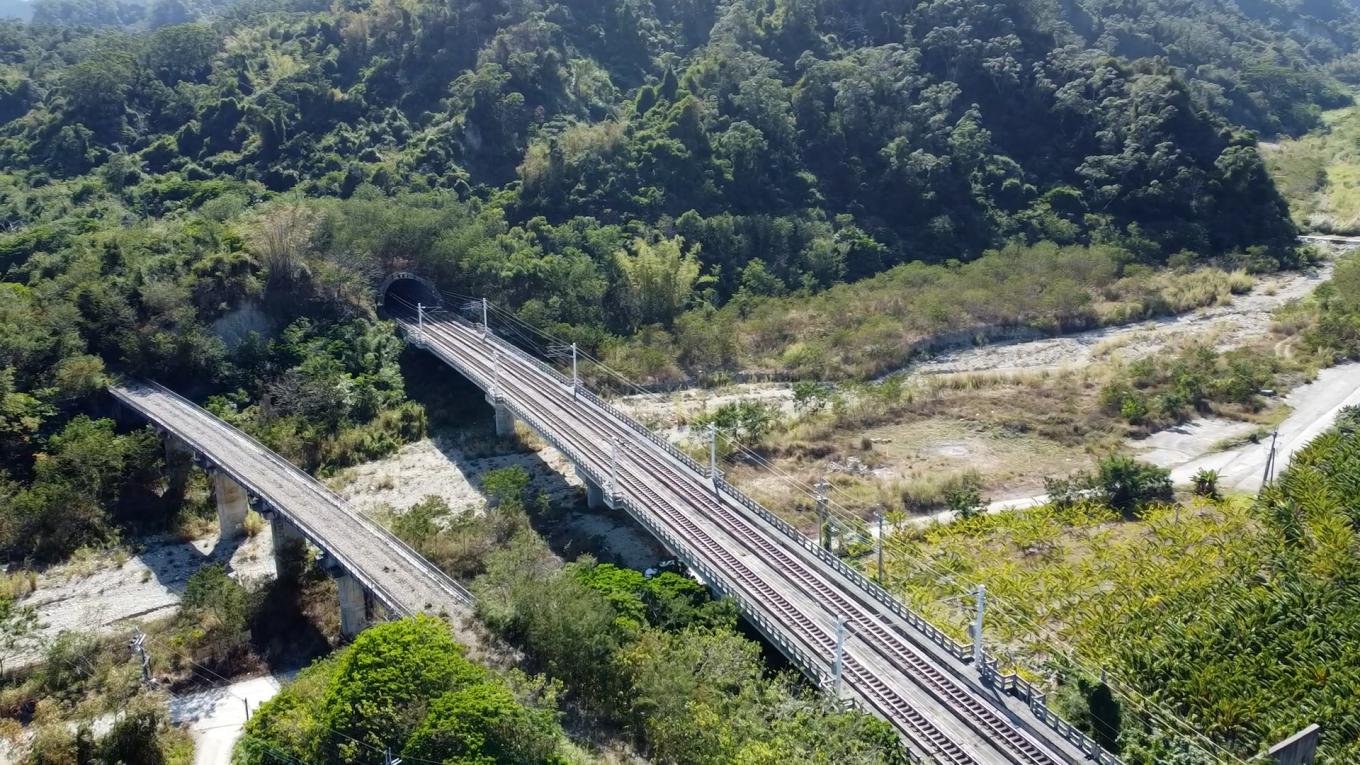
(1319,173)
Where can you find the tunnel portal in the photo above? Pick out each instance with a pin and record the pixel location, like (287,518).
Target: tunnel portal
(400,292)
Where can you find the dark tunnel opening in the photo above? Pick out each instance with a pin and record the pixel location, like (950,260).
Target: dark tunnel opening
(403,293)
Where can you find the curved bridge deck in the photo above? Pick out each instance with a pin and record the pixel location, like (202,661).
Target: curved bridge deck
(396,576)
(894,664)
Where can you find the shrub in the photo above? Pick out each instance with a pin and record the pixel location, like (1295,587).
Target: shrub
(1206,483)
(1128,485)
(965,500)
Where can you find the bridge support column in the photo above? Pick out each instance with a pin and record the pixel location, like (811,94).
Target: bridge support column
(505,421)
(232,505)
(288,542)
(353,605)
(179,460)
(594,493)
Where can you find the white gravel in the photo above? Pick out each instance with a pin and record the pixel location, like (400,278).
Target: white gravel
(99,592)
(1246,319)
(433,467)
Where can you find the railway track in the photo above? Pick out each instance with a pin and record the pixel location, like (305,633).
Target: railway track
(920,730)
(648,468)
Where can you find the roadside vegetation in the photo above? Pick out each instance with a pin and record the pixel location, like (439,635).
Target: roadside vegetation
(1229,613)
(406,688)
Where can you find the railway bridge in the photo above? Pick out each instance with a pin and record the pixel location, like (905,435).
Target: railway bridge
(948,702)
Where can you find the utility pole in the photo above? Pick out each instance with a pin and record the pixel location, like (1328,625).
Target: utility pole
(138,645)
(1269,473)
(420,322)
(388,759)
(880,515)
(823,515)
(840,656)
(486,327)
(977,625)
(575,379)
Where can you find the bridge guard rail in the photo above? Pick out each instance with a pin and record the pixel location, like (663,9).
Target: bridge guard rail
(1012,683)
(796,651)
(959,650)
(962,651)
(312,535)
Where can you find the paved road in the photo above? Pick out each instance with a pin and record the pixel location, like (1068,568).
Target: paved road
(215,717)
(396,576)
(1315,408)
(791,590)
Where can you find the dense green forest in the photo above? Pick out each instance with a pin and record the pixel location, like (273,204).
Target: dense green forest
(210,203)
(206,193)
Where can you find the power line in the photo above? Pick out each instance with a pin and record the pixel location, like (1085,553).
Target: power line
(842,514)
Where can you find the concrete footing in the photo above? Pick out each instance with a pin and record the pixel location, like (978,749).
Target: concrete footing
(505,421)
(354,611)
(232,505)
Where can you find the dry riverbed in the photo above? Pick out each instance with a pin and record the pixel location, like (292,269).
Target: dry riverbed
(1001,431)
(437,467)
(103,589)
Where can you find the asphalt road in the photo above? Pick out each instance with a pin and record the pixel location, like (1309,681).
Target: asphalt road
(1315,408)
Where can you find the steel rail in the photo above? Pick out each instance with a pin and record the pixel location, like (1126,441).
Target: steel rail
(944,689)
(535,412)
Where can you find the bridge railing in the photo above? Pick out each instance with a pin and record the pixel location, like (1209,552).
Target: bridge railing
(1036,700)
(809,661)
(315,537)
(959,650)
(962,651)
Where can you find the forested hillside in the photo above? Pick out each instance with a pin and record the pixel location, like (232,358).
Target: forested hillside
(210,203)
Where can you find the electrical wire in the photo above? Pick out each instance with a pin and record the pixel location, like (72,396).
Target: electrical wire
(1066,651)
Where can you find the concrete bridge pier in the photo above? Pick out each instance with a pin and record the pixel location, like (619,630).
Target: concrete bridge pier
(594,492)
(505,420)
(179,460)
(355,605)
(232,504)
(287,541)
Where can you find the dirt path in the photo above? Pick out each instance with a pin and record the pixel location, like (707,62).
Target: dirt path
(1315,407)
(216,717)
